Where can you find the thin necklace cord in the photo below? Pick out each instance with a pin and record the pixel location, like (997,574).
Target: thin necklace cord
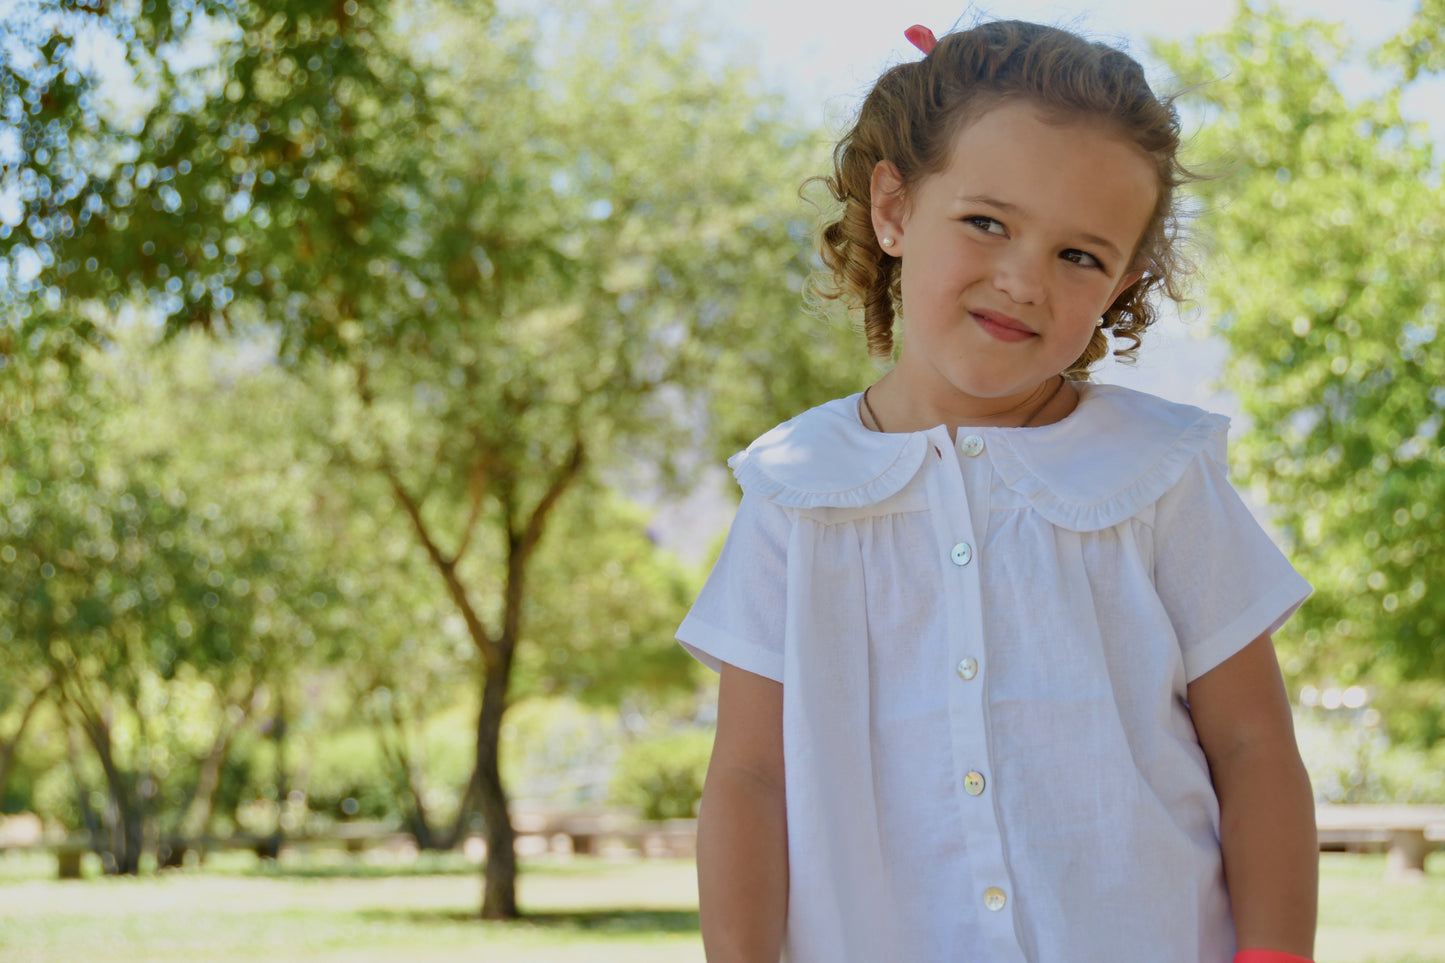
(868,406)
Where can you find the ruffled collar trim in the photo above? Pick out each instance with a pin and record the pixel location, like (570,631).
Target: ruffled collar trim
(1115,454)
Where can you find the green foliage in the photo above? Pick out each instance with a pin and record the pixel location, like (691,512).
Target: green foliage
(559,751)
(1325,224)
(345,766)
(219,181)
(1350,760)
(151,593)
(626,597)
(1419,47)
(662,776)
(461,283)
(54,795)
(1416,712)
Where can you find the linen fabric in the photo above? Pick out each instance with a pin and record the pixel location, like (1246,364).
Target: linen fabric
(984,647)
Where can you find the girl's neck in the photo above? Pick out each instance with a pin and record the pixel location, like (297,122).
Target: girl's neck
(890,406)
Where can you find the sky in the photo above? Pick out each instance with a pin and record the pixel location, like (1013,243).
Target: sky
(829,51)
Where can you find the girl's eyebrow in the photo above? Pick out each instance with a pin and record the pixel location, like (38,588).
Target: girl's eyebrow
(1011,208)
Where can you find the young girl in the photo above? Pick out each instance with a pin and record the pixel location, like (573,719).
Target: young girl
(997,679)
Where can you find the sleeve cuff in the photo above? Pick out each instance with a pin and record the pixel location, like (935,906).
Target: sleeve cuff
(1267,614)
(712,647)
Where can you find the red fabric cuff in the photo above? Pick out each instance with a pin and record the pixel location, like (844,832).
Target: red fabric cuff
(1268,956)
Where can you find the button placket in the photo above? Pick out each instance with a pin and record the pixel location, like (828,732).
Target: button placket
(958,494)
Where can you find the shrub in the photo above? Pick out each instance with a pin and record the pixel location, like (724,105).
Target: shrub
(1351,760)
(662,776)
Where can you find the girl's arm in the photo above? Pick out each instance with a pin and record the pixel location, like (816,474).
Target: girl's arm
(1267,815)
(742,835)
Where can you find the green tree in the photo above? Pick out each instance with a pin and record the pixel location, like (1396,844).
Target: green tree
(532,377)
(532,266)
(1323,226)
(227,430)
(398,642)
(153,590)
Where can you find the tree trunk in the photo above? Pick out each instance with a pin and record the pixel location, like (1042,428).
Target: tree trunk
(499,899)
(464,812)
(130,815)
(499,891)
(98,844)
(125,815)
(408,780)
(416,788)
(195,821)
(269,848)
(125,818)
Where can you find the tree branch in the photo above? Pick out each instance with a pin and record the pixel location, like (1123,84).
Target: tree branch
(476,492)
(448,569)
(522,544)
(563,479)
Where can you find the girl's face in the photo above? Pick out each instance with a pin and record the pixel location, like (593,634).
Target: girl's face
(1009,257)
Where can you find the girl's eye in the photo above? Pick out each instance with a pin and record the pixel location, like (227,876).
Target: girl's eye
(986,224)
(1081,258)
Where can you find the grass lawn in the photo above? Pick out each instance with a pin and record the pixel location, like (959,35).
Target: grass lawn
(1366,919)
(582,910)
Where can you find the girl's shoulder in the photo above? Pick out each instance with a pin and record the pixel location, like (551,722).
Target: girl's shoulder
(1118,452)
(825,458)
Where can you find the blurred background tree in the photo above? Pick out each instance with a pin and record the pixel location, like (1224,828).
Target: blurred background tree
(1323,229)
(127,572)
(526,275)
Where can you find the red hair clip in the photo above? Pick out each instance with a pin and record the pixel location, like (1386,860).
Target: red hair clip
(921,37)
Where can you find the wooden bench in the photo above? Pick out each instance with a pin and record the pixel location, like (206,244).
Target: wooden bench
(353,838)
(68,851)
(591,832)
(1406,833)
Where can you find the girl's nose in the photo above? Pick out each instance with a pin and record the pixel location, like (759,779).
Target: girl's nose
(1019,276)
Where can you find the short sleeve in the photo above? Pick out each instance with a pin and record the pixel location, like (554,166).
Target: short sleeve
(738,617)
(1221,579)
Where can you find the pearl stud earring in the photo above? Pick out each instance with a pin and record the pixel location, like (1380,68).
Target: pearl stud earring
(888,242)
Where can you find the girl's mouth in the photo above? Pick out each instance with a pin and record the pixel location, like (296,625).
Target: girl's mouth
(1001,326)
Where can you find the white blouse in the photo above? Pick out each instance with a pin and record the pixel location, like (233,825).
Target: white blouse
(984,648)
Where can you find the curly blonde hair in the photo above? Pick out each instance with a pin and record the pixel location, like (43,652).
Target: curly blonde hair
(915,110)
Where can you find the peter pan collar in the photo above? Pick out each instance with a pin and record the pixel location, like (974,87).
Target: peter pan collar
(1115,454)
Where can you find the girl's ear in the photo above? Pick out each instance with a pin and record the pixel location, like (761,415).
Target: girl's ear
(885,194)
(1125,283)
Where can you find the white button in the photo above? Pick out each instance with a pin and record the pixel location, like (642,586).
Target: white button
(962,553)
(994,898)
(967,669)
(973,783)
(972,445)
